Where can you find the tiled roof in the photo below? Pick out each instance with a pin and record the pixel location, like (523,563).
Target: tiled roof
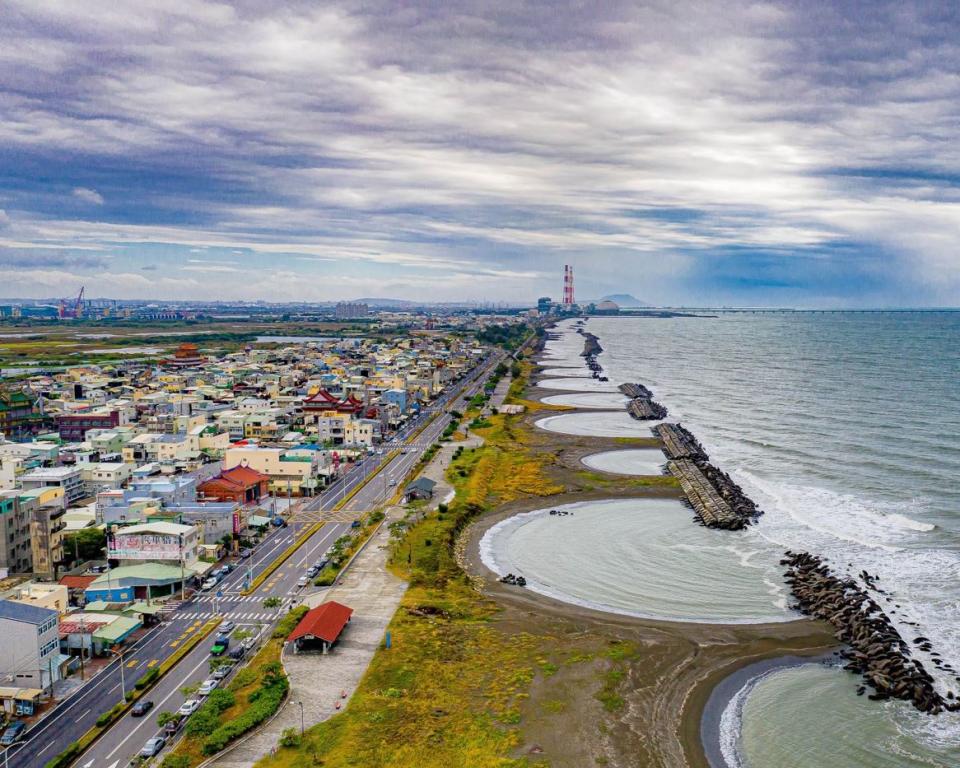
(325,622)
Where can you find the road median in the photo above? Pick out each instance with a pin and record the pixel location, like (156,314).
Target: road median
(111,716)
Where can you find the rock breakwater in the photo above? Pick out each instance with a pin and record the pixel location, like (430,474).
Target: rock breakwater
(876,650)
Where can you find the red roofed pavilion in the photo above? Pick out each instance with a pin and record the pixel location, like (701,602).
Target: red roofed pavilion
(322,625)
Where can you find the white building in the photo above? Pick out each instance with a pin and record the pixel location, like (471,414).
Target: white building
(70,479)
(31,645)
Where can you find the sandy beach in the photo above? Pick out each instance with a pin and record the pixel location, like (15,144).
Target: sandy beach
(669,690)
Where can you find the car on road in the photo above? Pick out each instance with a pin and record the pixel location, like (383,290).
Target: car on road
(279,522)
(311,571)
(153,746)
(208,584)
(189,707)
(207,687)
(302,582)
(227,626)
(393,483)
(246,552)
(222,671)
(13,734)
(237,653)
(141,708)
(249,643)
(355,524)
(218,648)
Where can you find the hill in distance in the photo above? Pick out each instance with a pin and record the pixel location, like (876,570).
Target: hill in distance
(626,300)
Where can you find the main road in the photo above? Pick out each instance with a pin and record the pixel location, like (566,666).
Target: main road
(78,713)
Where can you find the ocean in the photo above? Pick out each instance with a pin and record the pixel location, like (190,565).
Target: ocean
(845,428)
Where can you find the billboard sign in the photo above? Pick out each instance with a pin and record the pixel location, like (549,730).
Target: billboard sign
(144,546)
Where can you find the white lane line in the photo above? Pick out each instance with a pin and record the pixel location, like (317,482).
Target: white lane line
(204,660)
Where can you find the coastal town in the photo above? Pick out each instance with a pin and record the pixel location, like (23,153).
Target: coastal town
(152,510)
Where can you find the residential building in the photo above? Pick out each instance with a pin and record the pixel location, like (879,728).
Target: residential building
(31,645)
(74,426)
(15,553)
(69,479)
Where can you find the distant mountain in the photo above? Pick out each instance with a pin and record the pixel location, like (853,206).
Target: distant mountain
(626,300)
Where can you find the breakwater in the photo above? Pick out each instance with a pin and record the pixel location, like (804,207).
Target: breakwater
(717,500)
(642,406)
(591,348)
(876,650)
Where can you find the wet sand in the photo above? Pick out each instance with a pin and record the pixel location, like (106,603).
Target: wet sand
(678,665)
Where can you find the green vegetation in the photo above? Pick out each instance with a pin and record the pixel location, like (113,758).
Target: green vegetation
(86,544)
(510,337)
(450,691)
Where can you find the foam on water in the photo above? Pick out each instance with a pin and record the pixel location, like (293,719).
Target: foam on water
(870,484)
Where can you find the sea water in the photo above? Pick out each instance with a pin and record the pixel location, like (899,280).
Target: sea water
(845,429)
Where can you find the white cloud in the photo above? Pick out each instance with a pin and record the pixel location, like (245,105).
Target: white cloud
(88,195)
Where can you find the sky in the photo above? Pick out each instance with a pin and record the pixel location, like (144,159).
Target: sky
(689,153)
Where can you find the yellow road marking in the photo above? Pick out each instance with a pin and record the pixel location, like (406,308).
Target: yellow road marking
(152,663)
(132,663)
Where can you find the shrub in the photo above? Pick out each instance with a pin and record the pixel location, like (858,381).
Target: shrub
(287,624)
(290,738)
(175,761)
(65,758)
(205,720)
(264,702)
(148,679)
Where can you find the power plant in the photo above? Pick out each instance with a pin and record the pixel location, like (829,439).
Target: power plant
(568,297)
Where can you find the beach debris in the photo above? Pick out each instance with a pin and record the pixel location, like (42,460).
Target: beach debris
(875,649)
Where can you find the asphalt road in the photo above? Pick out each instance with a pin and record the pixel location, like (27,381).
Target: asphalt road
(79,712)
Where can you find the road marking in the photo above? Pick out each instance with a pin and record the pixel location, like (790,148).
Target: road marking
(132,663)
(175,643)
(152,663)
(49,744)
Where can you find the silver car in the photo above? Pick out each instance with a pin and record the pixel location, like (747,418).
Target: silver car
(153,746)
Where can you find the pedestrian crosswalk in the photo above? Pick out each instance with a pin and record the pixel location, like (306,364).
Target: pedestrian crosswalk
(233,615)
(230,597)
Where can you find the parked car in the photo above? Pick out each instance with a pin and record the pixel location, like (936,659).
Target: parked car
(355,524)
(209,584)
(207,687)
(322,564)
(311,571)
(218,648)
(13,733)
(222,671)
(227,626)
(189,707)
(302,582)
(246,552)
(153,746)
(249,643)
(229,567)
(141,708)
(173,725)
(279,522)
(237,653)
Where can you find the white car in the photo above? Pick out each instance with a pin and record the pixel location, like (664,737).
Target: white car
(206,687)
(209,584)
(188,707)
(302,582)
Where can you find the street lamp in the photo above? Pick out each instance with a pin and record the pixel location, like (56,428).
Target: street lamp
(123,686)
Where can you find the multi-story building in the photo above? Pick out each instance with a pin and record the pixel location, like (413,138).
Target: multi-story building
(18,414)
(31,645)
(47,509)
(15,552)
(70,479)
(74,426)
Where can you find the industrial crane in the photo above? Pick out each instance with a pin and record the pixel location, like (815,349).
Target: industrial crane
(76,311)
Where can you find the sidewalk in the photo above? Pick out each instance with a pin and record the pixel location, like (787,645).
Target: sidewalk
(374,594)
(316,680)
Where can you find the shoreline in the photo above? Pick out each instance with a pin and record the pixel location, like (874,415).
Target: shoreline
(723,692)
(672,684)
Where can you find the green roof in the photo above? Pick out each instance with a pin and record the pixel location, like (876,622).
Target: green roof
(130,575)
(150,610)
(117,629)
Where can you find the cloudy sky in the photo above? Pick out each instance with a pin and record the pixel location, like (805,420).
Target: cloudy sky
(801,154)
